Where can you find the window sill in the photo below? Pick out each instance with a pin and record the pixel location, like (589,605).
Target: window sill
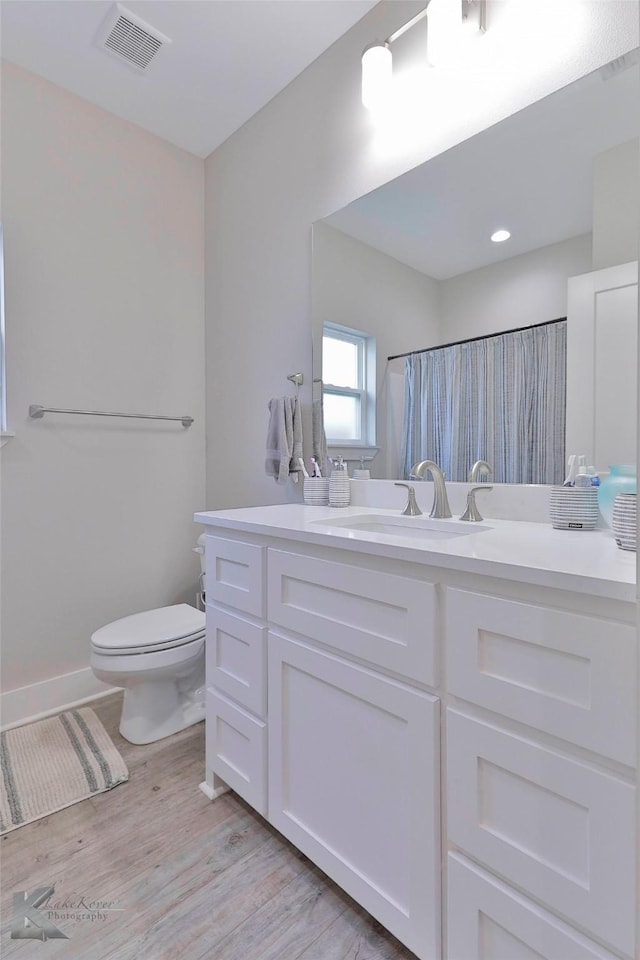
(5,435)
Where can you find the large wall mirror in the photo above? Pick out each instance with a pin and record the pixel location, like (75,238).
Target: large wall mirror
(411,266)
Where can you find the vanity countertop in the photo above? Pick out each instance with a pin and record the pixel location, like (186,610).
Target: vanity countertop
(581,561)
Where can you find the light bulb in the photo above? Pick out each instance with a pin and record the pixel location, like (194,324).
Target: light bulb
(500,236)
(376,74)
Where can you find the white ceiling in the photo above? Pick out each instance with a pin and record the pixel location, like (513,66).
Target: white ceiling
(227,58)
(532,173)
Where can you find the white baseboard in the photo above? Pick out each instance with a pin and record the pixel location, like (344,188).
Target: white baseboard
(38,700)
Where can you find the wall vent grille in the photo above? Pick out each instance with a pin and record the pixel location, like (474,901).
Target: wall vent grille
(130,39)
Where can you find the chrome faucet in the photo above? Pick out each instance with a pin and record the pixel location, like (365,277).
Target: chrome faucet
(440,508)
(412,509)
(480,466)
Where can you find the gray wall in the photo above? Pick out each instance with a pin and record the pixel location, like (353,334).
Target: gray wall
(104,266)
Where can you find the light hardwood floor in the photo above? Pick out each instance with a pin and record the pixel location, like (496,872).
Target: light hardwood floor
(190,878)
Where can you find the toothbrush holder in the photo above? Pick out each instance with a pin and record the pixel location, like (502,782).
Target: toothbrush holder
(315,491)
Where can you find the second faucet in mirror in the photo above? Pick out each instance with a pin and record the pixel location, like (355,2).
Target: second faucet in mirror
(480,467)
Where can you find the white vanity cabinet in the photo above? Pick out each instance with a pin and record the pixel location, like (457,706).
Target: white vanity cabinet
(331,672)
(456,750)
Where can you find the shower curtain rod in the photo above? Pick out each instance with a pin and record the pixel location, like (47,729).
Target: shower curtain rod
(488,336)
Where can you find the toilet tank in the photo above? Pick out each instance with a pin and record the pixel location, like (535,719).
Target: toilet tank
(199,549)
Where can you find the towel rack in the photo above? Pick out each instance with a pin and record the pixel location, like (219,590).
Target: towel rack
(298,379)
(37,412)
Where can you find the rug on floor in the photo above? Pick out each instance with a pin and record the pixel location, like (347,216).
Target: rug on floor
(53,763)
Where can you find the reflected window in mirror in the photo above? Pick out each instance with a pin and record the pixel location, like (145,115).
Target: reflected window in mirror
(349,375)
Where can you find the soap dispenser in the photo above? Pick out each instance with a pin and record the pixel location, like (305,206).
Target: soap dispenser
(361,472)
(339,485)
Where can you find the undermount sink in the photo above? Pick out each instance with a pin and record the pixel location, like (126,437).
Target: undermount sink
(397,525)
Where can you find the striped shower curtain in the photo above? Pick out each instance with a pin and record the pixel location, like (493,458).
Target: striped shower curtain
(501,399)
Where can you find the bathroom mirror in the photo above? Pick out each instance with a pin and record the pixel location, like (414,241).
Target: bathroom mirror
(412,264)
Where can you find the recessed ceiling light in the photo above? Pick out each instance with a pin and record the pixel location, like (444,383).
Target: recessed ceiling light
(500,235)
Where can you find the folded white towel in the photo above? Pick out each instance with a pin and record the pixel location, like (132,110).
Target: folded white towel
(284,438)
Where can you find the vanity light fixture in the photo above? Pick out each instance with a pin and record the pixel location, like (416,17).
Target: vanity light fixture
(445,20)
(376,73)
(500,236)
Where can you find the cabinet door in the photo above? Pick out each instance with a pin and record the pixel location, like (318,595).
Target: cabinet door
(558,828)
(486,920)
(353,783)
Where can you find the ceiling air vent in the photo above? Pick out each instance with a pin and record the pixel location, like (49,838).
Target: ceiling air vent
(130,39)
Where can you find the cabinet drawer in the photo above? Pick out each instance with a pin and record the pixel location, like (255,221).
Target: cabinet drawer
(387,620)
(236,750)
(236,659)
(235,574)
(487,920)
(556,827)
(569,675)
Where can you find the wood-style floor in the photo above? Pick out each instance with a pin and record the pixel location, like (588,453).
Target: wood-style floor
(187,877)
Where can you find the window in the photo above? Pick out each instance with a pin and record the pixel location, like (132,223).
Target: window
(349,375)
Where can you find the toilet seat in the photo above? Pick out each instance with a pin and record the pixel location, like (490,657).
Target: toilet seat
(161,629)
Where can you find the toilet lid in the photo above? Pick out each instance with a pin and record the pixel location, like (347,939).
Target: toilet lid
(153,629)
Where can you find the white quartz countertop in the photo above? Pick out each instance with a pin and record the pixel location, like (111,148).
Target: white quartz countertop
(582,561)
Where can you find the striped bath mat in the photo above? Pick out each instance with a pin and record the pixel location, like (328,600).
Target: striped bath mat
(53,763)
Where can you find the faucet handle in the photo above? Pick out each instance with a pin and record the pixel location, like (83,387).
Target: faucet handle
(411,509)
(471,511)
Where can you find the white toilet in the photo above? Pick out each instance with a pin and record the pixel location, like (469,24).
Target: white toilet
(158,657)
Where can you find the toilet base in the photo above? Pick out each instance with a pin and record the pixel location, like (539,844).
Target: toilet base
(163,689)
(157,709)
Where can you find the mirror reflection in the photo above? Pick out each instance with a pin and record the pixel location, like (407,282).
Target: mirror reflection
(412,267)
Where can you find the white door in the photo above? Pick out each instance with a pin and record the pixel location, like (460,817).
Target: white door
(354,784)
(602,357)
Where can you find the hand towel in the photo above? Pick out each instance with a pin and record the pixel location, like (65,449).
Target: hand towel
(318,437)
(284,438)
(296,432)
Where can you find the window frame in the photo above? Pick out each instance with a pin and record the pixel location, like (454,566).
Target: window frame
(365,392)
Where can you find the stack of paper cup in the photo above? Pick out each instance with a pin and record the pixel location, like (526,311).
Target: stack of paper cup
(315,491)
(574,508)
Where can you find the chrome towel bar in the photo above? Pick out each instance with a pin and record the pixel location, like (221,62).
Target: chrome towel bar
(37,412)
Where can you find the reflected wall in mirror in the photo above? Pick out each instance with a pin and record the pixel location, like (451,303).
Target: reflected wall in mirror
(412,264)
